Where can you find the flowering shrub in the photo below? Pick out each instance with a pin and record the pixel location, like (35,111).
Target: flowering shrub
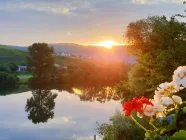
(166,112)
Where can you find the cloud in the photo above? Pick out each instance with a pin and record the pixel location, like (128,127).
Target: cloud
(66,120)
(156,1)
(69,33)
(47,8)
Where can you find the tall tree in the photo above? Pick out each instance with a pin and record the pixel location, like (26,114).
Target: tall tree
(41,60)
(160,47)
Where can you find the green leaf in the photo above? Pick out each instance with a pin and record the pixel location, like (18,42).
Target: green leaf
(181,135)
(147,134)
(184,110)
(162,131)
(172,126)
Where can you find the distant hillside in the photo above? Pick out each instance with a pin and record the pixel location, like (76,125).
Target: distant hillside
(8,54)
(8,51)
(117,53)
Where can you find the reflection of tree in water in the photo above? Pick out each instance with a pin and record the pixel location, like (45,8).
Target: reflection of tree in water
(40,106)
(101,94)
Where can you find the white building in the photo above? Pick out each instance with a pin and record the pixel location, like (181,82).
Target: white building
(22,68)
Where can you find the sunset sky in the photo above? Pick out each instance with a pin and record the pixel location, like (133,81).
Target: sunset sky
(23,22)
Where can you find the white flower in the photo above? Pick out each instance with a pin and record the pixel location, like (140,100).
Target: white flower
(177,99)
(158,107)
(148,110)
(157,97)
(166,101)
(179,73)
(175,87)
(182,82)
(163,85)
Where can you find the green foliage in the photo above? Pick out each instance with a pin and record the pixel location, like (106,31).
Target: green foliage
(5,68)
(23,63)
(7,80)
(159,45)
(121,128)
(88,74)
(181,135)
(13,67)
(41,60)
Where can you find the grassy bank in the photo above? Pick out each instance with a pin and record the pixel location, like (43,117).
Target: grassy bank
(23,77)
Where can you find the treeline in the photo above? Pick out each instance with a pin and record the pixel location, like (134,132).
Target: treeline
(8,80)
(89,74)
(41,64)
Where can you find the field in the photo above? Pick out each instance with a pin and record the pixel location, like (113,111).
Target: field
(23,77)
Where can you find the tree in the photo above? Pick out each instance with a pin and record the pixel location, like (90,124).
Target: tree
(159,45)
(23,63)
(122,128)
(40,106)
(41,60)
(13,67)
(7,81)
(5,68)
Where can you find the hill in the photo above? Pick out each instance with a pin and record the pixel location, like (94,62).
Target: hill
(8,54)
(116,53)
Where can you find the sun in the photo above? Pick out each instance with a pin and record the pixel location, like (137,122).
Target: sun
(107,44)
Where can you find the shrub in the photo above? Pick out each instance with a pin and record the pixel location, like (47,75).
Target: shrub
(7,80)
(5,68)
(121,128)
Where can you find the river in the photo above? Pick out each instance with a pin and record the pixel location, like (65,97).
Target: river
(73,119)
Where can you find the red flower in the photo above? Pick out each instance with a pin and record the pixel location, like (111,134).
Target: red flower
(137,105)
(145,101)
(127,108)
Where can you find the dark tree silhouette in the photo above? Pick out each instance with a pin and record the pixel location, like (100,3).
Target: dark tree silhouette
(40,106)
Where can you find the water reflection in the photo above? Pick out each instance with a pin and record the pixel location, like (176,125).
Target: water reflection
(62,114)
(40,106)
(100,94)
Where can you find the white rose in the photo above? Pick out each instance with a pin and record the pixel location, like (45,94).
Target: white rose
(177,99)
(166,101)
(148,110)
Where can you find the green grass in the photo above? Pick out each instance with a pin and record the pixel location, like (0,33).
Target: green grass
(23,77)
(8,51)
(8,54)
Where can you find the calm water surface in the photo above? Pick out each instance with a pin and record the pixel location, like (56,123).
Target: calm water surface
(73,119)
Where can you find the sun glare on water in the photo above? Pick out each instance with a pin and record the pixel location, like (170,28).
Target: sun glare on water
(107,44)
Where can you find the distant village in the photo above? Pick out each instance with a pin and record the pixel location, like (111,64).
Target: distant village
(71,55)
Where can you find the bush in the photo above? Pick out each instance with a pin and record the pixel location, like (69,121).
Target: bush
(7,80)
(5,68)
(13,67)
(122,128)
